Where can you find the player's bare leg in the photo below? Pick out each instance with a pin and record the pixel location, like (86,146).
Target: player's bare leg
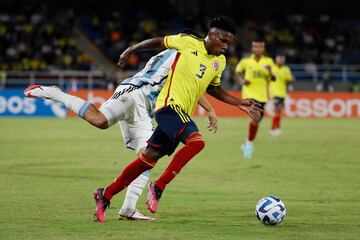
(77,105)
(94,116)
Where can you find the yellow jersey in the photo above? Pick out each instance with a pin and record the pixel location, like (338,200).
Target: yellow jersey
(278,88)
(255,72)
(192,71)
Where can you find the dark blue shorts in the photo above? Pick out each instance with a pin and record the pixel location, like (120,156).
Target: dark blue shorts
(279,102)
(174,126)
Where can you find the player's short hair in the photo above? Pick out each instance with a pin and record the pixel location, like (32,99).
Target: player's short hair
(224,23)
(258,40)
(191,32)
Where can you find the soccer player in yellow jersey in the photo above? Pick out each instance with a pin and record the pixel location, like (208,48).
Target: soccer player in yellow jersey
(278,90)
(197,68)
(254,74)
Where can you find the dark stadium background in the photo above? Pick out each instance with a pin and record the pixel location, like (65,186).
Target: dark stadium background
(76,44)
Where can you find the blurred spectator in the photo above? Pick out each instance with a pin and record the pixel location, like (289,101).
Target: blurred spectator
(34,42)
(354,86)
(304,39)
(311,70)
(326,83)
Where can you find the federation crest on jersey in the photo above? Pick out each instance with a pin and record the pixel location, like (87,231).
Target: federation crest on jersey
(216,65)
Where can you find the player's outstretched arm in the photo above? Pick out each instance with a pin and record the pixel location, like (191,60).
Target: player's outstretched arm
(149,44)
(203,102)
(251,107)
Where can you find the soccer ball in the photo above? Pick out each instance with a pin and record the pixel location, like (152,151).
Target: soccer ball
(270,210)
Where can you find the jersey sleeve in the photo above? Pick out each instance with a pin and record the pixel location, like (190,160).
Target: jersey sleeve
(240,68)
(178,42)
(289,76)
(217,80)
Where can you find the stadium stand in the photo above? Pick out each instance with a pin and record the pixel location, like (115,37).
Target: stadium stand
(36,41)
(33,42)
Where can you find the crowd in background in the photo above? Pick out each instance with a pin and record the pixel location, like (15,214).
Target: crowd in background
(33,42)
(45,41)
(303,39)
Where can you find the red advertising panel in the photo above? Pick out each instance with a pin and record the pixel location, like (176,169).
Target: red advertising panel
(303,105)
(297,104)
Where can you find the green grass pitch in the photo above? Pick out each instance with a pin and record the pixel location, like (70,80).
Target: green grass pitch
(49,167)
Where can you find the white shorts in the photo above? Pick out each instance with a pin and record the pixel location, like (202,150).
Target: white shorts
(136,134)
(131,108)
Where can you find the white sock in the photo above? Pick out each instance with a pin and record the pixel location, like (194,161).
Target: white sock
(248,142)
(133,192)
(75,104)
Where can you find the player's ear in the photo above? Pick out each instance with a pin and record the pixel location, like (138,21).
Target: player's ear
(211,33)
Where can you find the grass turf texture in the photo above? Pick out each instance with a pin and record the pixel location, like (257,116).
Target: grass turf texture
(49,167)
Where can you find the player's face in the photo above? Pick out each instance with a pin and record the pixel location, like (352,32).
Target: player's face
(219,41)
(258,48)
(280,60)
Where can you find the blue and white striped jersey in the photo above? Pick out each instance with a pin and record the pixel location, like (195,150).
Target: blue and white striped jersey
(152,77)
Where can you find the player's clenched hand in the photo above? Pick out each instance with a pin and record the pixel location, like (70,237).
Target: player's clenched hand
(212,121)
(124,57)
(252,108)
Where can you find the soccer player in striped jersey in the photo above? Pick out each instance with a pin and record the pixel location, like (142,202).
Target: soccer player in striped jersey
(278,91)
(254,73)
(132,106)
(197,68)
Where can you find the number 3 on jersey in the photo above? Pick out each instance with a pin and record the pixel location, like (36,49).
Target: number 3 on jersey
(202,71)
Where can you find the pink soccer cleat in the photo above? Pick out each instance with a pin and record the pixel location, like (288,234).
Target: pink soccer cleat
(101,205)
(153,197)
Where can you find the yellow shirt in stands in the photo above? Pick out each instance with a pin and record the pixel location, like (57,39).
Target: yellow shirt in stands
(192,72)
(255,72)
(278,88)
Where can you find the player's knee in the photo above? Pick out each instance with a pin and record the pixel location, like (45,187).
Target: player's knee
(96,118)
(100,121)
(196,142)
(147,162)
(102,125)
(152,154)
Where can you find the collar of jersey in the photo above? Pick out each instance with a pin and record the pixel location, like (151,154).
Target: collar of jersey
(205,50)
(261,58)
